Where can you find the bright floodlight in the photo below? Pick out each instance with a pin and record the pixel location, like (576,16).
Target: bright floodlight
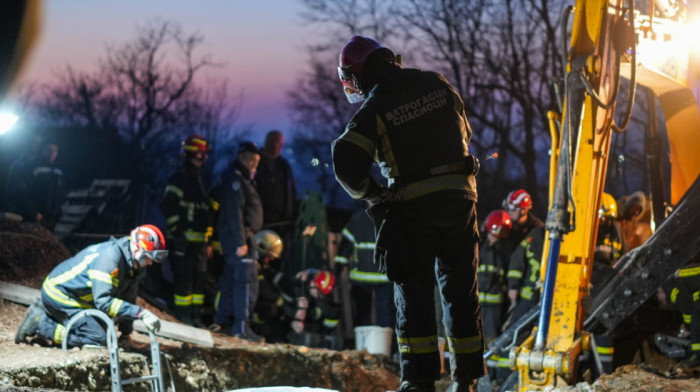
(7,120)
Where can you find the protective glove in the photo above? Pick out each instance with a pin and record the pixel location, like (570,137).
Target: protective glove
(151,321)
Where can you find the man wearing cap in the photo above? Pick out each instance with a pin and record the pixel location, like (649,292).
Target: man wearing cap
(240,216)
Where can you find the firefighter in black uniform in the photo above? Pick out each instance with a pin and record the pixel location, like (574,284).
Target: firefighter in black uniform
(524,273)
(683,290)
(372,293)
(415,124)
(609,248)
(103,276)
(493,262)
(189,213)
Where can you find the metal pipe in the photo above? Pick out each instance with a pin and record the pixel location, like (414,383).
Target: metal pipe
(550,278)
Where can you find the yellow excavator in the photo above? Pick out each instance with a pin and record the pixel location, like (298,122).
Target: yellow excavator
(649,44)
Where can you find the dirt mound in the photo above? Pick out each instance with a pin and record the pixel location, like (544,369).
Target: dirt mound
(28,252)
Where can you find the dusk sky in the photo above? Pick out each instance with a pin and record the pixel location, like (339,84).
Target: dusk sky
(259,42)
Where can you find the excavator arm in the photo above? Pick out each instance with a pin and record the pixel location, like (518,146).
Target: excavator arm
(601,51)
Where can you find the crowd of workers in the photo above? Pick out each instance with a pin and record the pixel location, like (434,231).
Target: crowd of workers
(420,231)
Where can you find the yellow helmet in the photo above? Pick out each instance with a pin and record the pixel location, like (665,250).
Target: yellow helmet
(608,207)
(267,242)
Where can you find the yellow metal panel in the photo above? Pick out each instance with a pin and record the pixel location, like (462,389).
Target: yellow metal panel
(589,16)
(562,324)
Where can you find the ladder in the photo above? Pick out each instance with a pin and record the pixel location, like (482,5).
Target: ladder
(156,378)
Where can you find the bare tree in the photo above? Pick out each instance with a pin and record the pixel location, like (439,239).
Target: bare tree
(145,91)
(501,56)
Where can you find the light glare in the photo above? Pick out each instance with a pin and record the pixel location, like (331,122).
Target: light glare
(7,120)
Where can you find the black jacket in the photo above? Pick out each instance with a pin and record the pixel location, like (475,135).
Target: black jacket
(274,181)
(187,207)
(240,209)
(415,125)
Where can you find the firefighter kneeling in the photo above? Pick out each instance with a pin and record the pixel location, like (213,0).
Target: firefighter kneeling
(104,276)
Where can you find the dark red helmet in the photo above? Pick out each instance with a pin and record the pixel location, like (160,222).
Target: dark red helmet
(194,144)
(325,281)
(518,199)
(498,223)
(352,59)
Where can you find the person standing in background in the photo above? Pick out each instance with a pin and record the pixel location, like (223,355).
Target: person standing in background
(45,191)
(240,218)
(275,184)
(189,212)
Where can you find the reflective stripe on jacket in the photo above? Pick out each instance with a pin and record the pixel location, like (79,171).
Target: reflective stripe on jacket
(101,277)
(410,132)
(357,244)
(187,207)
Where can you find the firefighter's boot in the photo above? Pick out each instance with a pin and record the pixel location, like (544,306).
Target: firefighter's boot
(184,314)
(416,386)
(197,316)
(30,325)
(462,386)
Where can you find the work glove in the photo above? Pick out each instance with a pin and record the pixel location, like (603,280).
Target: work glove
(151,321)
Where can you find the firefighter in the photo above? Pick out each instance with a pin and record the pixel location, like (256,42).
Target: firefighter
(524,273)
(103,276)
(277,311)
(322,313)
(609,248)
(683,290)
(493,262)
(518,204)
(414,123)
(240,217)
(189,211)
(372,293)
(609,243)
(494,254)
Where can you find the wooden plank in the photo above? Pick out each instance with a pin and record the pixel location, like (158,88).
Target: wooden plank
(18,293)
(176,331)
(202,337)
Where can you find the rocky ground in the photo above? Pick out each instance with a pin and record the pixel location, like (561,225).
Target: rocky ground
(28,253)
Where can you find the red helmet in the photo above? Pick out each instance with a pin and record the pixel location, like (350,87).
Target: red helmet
(195,144)
(518,199)
(325,281)
(352,59)
(498,223)
(150,239)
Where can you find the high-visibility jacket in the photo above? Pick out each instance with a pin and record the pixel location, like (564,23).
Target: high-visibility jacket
(187,207)
(524,265)
(100,276)
(357,245)
(419,135)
